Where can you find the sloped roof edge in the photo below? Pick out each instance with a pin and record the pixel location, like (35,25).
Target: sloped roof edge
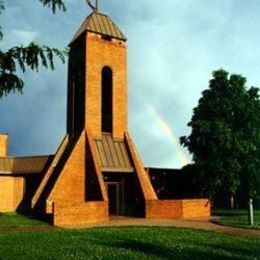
(23,165)
(101,24)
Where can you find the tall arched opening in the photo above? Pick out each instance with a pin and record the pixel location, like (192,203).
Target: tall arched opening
(107,100)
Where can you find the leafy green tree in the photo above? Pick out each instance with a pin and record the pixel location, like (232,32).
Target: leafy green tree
(225,136)
(20,58)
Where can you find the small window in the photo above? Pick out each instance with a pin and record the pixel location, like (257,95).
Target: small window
(106,38)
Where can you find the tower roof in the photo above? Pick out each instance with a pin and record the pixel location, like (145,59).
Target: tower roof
(100,24)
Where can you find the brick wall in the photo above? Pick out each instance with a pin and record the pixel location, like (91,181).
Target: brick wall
(3,145)
(196,208)
(67,200)
(100,53)
(70,185)
(11,193)
(78,214)
(156,209)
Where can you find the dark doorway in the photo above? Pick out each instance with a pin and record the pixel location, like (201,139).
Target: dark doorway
(128,200)
(112,190)
(107,100)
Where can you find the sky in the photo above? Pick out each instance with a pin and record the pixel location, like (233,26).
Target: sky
(173,47)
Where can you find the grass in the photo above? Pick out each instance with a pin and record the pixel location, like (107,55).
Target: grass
(127,243)
(236,218)
(13,220)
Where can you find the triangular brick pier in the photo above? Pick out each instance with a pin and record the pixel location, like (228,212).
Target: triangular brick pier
(73,188)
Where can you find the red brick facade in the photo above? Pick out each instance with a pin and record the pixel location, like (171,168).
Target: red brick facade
(11,188)
(187,209)
(101,53)
(78,214)
(11,192)
(70,185)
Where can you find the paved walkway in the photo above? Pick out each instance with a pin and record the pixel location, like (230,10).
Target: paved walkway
(202,224)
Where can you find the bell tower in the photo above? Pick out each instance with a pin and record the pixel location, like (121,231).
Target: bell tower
(96,171)
(97,95)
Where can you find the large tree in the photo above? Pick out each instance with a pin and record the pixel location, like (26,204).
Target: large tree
(225,136)
(20,58)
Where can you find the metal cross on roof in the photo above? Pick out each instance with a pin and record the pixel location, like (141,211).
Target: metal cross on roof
(92,6)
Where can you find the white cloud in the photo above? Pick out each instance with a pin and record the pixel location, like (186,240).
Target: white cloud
(17,37)
(24,36)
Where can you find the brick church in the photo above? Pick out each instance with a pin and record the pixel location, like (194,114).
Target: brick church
(96,172)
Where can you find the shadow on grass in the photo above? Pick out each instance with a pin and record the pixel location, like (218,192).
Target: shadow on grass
(186,250)
(15,220)
(130,243)
(244,253)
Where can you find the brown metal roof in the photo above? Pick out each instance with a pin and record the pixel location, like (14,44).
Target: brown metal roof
(112,154)
(23,165)
(101,24)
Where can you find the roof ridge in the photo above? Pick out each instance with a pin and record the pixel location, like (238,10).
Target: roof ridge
(100,13)
(99,23)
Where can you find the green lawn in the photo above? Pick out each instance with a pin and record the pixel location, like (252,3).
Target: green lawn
(120,243)
(13,220)
(237,218)
(127,243)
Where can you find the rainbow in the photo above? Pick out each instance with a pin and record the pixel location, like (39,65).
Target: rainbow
(184,159)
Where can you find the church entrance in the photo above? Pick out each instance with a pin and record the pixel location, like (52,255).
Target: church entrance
(115,198)
(124,194)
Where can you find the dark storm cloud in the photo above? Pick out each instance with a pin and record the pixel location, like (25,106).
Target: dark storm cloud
(173,46)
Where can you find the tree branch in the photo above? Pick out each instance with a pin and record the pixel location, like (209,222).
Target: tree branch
(33,56)
(54,4)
